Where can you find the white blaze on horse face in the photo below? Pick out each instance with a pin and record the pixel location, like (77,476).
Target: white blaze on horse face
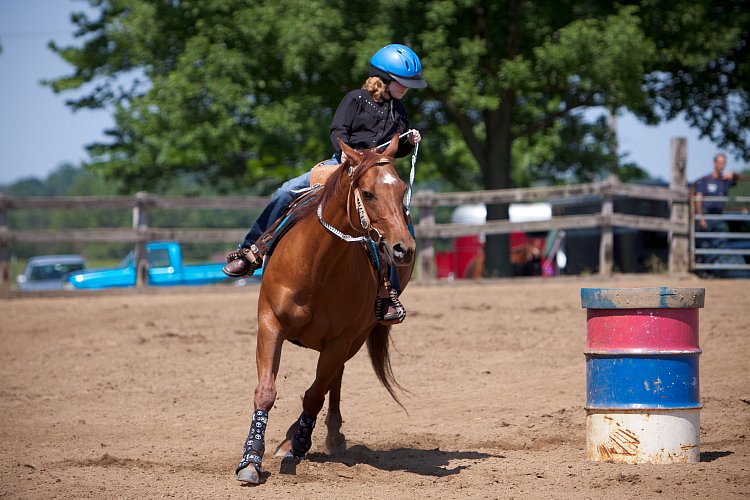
(389,179)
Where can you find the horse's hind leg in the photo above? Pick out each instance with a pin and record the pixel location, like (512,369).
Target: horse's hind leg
(330,367)
(268,355)
(335,440)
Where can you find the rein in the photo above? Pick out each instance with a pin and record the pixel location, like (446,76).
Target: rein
(411,172)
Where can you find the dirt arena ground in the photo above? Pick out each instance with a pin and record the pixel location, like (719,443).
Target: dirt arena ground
(133,395)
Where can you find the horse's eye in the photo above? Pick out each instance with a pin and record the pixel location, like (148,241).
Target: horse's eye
(368,195)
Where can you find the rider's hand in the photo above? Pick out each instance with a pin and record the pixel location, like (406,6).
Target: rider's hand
(414,136)
(731,176)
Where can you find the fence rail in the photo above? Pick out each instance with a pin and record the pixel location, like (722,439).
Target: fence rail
(140,200)
(426,230)
(120,235)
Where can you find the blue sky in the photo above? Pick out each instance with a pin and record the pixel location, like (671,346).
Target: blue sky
(38,132)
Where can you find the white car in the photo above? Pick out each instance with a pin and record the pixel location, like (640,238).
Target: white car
(49,272)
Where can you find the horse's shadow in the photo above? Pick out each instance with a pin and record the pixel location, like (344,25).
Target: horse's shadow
(710,456)
(435,462)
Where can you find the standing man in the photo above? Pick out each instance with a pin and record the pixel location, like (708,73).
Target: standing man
(717,183)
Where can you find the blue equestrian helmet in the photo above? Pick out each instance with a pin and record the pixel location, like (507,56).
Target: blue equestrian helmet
(398,62)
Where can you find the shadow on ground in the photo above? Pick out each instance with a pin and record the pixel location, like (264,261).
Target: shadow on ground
(435,462)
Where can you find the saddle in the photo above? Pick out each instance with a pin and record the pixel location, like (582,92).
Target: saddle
(322,171)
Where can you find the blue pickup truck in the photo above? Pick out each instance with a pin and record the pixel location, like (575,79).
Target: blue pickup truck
(165,268)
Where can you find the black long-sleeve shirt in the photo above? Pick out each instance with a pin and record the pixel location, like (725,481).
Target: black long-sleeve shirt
(363,123)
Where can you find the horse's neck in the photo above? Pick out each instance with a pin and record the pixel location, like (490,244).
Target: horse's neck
(325,247)
(338,209)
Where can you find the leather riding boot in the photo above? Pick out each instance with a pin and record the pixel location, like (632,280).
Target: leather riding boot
(389,310)
(243,262)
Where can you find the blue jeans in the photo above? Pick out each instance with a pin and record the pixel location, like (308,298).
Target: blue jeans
(275,208)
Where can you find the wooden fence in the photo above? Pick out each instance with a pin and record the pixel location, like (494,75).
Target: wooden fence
(423,203)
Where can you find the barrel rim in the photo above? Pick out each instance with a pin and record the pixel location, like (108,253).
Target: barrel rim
(642,352)
(664,297)
(641,409)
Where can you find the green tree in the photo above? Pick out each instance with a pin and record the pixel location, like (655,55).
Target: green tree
(245,90)
(220,89)
(572,151)
(703,69)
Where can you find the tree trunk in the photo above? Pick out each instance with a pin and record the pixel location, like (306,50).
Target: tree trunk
(497,176)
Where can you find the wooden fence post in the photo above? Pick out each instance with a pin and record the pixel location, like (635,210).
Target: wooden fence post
(140,222)
(426,246)
(678,243)
(4,251)
(606,246)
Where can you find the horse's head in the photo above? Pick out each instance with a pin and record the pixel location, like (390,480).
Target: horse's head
(379,201)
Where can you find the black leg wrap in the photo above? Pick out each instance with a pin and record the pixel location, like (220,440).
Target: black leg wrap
(378,308)
(302,441)
(252,452)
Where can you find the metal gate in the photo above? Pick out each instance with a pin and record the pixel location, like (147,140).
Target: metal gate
(724,250)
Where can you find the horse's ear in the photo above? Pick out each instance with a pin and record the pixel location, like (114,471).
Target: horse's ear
(350,153)
(392,147)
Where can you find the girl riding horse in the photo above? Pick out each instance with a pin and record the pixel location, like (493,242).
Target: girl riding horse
(365,118)
(318,289)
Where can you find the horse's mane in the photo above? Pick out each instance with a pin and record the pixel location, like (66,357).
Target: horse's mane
(338,182)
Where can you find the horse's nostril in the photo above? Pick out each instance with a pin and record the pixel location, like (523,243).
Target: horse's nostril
(399,250)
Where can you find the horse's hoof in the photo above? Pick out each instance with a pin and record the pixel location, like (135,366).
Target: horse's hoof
(289,463)
(249,475)
(336,446)
(283,448)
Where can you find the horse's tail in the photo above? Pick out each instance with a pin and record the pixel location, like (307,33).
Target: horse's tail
(378,343)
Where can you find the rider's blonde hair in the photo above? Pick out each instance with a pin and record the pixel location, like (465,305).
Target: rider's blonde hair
(377,89)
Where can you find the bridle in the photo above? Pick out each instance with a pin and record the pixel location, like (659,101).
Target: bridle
(369,232)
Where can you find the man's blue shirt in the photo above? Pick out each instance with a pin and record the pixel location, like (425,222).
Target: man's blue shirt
(711,186)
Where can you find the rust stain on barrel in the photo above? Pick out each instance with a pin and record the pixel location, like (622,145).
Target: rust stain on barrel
(622,442)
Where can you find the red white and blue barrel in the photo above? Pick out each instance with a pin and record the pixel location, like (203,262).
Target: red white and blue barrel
(642,383)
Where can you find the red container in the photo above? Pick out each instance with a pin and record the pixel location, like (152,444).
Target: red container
(638,330)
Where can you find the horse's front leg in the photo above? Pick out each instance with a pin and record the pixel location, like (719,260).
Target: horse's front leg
(267,356)
(335,440)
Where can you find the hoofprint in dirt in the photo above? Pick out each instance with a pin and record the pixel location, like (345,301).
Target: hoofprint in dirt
(150,395)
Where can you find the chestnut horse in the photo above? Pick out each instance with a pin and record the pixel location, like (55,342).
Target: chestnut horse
(319,291)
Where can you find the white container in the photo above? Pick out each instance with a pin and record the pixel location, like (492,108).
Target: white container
(643,436)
